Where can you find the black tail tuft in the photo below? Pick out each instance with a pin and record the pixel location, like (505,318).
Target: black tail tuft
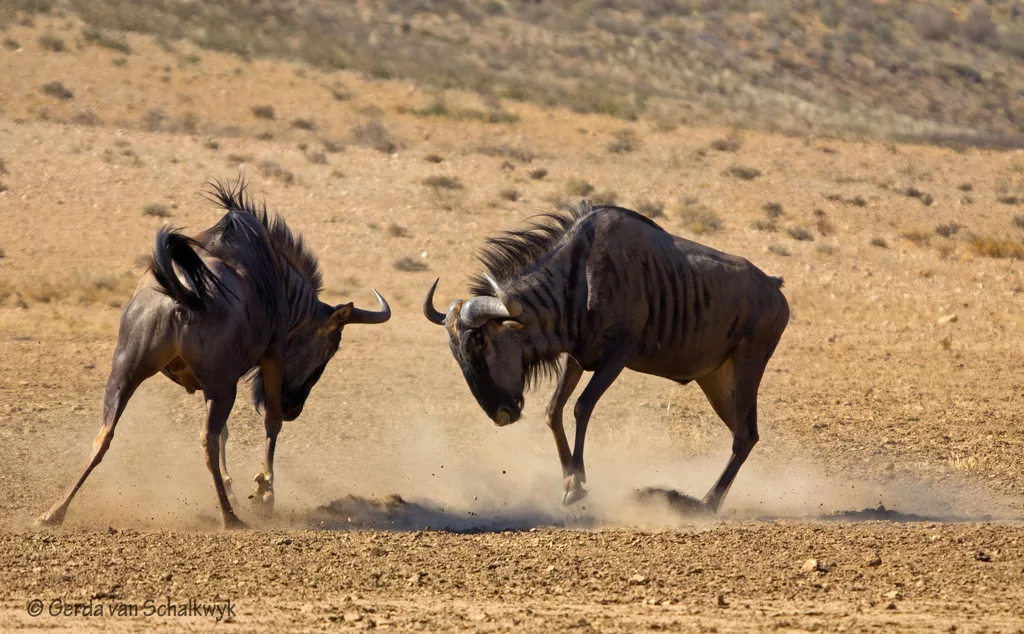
(778,281)
(175,248)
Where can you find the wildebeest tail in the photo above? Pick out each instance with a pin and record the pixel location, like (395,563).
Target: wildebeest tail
(175,248)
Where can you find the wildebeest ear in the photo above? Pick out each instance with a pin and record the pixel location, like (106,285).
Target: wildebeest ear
(340,316)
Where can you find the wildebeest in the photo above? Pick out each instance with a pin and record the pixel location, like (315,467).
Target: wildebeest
(239,299)
(601,289)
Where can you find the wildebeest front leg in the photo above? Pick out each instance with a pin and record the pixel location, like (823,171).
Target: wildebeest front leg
(219,402)
(263,493)
(612,363)
(568,379)
(224,463)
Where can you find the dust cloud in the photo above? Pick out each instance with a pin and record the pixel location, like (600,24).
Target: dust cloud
(466,475)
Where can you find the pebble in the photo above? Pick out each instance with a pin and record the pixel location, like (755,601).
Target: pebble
(638,580)
(893,594)
(873,561)
(948,319)
(810,565)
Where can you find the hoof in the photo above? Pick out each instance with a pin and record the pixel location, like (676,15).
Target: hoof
(574,491)
(262,497)
(573,496)
(232,523)
(49,520)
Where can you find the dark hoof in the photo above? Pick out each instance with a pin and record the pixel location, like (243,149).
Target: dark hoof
(232,523)
(49,520)
(573,496)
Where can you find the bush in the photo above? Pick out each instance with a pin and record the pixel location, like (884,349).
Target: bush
(52,43)
(731,143)
(698,218)
(764,225)
(879,242)
(800,233)
(304,124)
(774,210)
(651,208)
(58,90)
(442,182)
(578,187)
(538,174)
(998,248)
(156,210)
(410,265)
(624,143)
(433,158)
(744,173)
(511,194)
(947,230)
(373,134)
(263,112)
(107,40)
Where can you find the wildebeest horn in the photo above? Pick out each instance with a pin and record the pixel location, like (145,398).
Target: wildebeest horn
(429,311)
(475,312)
(360,316)
(513,306)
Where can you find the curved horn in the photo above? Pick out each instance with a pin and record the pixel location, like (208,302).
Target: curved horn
(429,311)
(360,316)
(478,310)
(512,305)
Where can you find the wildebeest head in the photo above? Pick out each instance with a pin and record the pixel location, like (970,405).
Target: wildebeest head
(484,337)
(310,347)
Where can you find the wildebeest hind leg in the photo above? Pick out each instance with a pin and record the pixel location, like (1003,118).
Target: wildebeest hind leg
(732,391)
(124,379)
(263,495)
(224,463)
(219,402)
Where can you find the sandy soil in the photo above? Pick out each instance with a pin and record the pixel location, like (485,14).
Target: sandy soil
(897,382)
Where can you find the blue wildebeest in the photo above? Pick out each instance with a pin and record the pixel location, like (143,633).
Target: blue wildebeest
(601,289)
(239,299)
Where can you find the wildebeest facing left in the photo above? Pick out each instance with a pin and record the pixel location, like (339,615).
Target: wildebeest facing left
(239,298)
(603,289)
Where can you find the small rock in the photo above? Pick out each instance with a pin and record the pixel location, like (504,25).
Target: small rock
(111,530)
(638,580)
(551,569)
(284,541)
(893,594)
(891,606)
(982,556)
(873,561)
(811,565)
(948,319)
(722,603)
(353,617)
(416,579)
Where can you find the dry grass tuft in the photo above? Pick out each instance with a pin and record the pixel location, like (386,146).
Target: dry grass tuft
(651,208)
(57,90)
(510,194)
(53,43)
(999,248)
(778,249)
(538,174)
(273,169)
(374,135)
(578,187)
(800,234)
(442,182)
(433,158)
(624,143)
(920,238)
(264,112)
(743,172)
(398,231)
(699,218)
(409,265)
(731,143)
(879,242)
(157,210)
(947,230)
(774,210)
(764,225)
(105,39)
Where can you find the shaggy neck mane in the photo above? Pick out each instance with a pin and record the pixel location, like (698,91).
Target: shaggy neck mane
(509,254)
(287,244)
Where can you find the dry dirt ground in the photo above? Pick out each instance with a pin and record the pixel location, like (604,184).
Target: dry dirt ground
(898,381)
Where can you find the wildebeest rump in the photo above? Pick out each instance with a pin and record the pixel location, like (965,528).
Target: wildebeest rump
(602,289)
(239,299)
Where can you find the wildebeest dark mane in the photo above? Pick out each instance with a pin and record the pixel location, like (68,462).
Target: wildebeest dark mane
(288,244)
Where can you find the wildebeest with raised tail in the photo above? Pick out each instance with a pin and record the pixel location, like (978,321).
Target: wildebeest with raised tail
(239,299)
(601,289)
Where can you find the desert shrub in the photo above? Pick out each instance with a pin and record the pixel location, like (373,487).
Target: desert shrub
(879,242)
(607,197)
(778,249)
(538,174)
(273,169)
(442,182)
(11,44)
(57,90)
(947,230)
(932,23)
(651,208)
(510,194)
(774,210)
(53,43)
(112,41)
(373,134)
(520,154)
(744,173)
(1018,221)
(332,147)
(264,112)
(1010,199)
(433,158)
(998,247)
(800,233)
(409,265)
(966,187)
(304,124)
(699,218)
(920,238)
(578,187)
(397,231)
(156,210)
(825,226)
(317,158)
(624,143)
(764,225)
(979,26)
(731,143)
